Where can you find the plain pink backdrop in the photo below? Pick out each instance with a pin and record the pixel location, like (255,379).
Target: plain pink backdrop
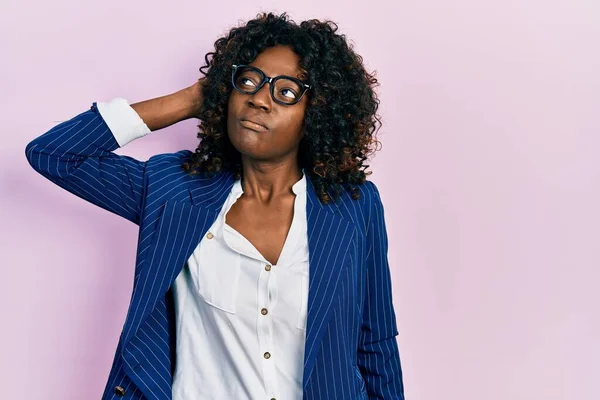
(489,174)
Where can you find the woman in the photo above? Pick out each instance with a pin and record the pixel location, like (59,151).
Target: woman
(261,269)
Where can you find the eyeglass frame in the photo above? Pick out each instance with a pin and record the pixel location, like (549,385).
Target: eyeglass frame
(271,81)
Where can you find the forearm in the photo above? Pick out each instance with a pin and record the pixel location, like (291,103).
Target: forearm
(78,156)
(167,110)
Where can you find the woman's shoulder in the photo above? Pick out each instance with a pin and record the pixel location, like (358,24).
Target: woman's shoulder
(171,164)
(369,189)
(359,210)
(166,160)
(369,194)
(167,179)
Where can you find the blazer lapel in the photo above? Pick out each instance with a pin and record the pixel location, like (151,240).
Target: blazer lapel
(329,237)
(179,230)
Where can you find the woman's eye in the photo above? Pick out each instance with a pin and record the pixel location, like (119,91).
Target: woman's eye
(244,80)
(291,94)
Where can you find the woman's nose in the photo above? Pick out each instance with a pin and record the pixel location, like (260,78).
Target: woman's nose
(262,98)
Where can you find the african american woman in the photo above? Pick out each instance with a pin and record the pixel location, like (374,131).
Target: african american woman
(261,266)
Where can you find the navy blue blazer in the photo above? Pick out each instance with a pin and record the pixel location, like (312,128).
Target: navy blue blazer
(351,350)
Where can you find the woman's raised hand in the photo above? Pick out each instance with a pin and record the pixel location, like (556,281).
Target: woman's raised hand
(164,111)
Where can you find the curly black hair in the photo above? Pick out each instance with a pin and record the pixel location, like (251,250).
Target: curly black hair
(341,118)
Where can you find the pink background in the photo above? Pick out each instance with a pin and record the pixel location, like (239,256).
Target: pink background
(489,174)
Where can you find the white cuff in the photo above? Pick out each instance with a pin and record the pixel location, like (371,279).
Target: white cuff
(123,121)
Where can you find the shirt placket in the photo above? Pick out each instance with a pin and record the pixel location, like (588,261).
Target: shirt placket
(267,297)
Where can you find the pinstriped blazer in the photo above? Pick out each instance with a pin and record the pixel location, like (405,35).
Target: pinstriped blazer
(351,350)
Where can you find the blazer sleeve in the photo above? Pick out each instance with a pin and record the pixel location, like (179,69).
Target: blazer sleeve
(77,155)
(378,355)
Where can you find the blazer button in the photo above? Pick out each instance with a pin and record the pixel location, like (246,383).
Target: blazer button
(119,391)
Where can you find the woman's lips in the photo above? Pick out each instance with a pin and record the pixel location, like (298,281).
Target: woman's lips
(253,126)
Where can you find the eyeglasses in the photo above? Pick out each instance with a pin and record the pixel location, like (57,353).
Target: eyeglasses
(285,90)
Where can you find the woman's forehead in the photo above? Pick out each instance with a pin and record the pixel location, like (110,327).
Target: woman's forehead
(279,60)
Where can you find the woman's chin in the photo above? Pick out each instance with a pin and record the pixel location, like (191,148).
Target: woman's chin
(250,149)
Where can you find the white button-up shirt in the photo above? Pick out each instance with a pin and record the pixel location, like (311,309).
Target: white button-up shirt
(241,322)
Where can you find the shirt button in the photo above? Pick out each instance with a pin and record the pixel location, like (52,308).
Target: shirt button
(119,391)
(264,311)
(209,235)
(267,355)
(267,267)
